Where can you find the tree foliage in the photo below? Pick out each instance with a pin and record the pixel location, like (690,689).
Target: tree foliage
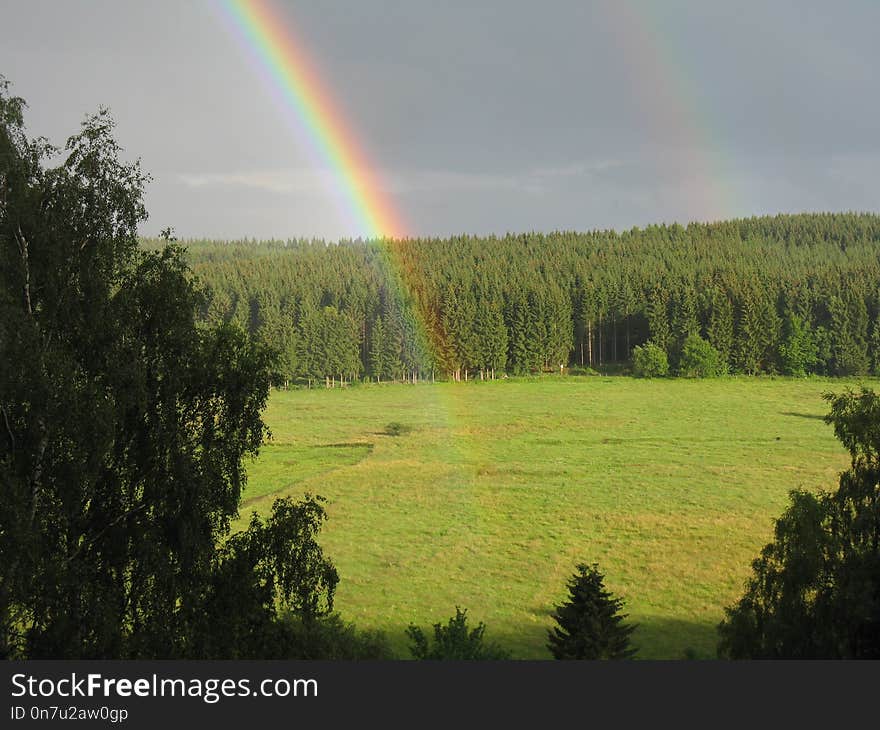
(124,423)
(815,590)
(699,359)
(798,352)
(472,307)
(590,624)
(454,641)
(649,361)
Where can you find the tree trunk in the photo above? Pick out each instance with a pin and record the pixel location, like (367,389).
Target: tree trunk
(614,338)
(590,342)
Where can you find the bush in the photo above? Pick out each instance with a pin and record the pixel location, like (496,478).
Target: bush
(590,625)
(396,428)
(650,361)
(582,370)
(454,641)
(700,360)
(329,637)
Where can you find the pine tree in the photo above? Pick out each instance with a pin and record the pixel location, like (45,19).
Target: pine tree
(517,345)
(849,325)
(658,319)
(685,318)
(747,345)
(769,331)
(377,349)
(590,625)
(308,353)
(720,328)
(496,336)
(875,347)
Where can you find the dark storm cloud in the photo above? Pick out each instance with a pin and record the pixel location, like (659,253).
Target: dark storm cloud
(482,116)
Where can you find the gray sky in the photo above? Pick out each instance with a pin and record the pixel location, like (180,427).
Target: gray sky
(481,117)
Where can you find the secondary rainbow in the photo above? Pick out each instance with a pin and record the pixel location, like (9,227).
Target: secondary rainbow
(664,85)
(285,65)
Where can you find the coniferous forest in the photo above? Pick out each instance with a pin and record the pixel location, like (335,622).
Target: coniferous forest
(790,294)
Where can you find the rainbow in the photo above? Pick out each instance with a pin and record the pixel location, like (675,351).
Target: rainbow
(663,86)
(284,63)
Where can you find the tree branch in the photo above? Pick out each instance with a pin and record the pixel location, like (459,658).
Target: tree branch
(8,430)
(23,251)
(113,523)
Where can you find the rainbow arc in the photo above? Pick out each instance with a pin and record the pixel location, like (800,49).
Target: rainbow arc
(285,64)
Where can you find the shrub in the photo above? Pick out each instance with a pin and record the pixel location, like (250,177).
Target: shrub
(454,641)
(699,359)
(329,637)
(396,428)
(650,361)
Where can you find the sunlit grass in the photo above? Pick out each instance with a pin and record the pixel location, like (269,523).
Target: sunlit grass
(500,488)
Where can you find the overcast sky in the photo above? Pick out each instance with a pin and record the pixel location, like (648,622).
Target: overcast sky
(481,117)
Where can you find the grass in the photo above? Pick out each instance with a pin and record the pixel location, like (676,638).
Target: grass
(487,495)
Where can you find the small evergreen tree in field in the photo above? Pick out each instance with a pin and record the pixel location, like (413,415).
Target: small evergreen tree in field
(590,625)
(650,361)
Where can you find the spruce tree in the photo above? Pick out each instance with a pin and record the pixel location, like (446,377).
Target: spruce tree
(657,313)
(377,349)
(590,625)
(720,327)
(849,324)
(747,345)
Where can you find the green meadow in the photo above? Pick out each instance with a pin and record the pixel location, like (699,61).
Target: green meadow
(492,492)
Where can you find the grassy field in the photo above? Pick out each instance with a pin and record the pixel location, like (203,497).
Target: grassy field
(500,488)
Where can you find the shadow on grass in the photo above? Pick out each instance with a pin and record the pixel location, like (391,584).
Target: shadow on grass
(656,637)
(803,415)
(369,446)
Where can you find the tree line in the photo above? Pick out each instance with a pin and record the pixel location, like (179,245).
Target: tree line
(792,294)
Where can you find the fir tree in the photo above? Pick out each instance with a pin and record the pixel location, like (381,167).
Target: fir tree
(875,347)
(849,325)
(590,625)
(377,349)
(658,319)
(720,327)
